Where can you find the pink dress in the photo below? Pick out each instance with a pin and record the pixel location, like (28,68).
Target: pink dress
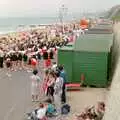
(45,86)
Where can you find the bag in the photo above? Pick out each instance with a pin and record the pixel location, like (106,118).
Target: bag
(65,109)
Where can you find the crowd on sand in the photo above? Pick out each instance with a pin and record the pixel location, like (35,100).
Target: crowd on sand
(27,52)
(17,51)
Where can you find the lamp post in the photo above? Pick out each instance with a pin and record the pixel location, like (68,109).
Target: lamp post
(62,13)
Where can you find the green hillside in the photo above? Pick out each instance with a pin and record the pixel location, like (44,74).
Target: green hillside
(114,13)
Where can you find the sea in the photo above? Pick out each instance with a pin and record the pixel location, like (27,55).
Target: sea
(13,24)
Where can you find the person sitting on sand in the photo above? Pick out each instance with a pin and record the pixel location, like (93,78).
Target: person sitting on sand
(50,108)
(41,112)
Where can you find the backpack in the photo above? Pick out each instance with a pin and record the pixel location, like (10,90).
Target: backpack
(65,109)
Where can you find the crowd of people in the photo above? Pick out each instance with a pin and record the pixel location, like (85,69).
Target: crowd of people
(38,44)
(53,87)
(92,113)
(27,53)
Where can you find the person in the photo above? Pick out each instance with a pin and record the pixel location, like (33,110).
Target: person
(58,92)
(100,110)
(1,58)
(25,59)
(50,84)
(34,63)
(50,108)
(51,54)
(20,57)
(8,65)
(41,112)
(45,57)
(35,86)
(63,75)
(38,57)
(14,60)
(48,63)
(45,81)
(54,66)
(38,113)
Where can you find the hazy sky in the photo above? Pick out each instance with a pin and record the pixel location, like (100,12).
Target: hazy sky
(45,7)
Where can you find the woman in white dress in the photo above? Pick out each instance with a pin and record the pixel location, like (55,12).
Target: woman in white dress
(58,92)
(35,86)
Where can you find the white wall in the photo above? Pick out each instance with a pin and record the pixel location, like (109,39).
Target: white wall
(113,100)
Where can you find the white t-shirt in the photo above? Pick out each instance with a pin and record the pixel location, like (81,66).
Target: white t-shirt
(41,113)
(35,80)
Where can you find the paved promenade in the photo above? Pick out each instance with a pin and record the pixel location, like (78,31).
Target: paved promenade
(113,100)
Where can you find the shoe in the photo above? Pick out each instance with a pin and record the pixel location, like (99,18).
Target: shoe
(29,118)
(29,71)
(56,114)
(9,75)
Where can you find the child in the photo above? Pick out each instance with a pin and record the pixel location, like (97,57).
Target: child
(38,114)
(34,63)
(35,83)
(41,112)
(8,65)
(50,109)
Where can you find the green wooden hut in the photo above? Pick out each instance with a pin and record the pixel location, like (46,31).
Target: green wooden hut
(92,58)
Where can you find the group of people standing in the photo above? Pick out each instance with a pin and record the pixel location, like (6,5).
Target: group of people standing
(53,86)
(26,60)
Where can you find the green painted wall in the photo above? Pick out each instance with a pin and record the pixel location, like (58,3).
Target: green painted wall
(93,66)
